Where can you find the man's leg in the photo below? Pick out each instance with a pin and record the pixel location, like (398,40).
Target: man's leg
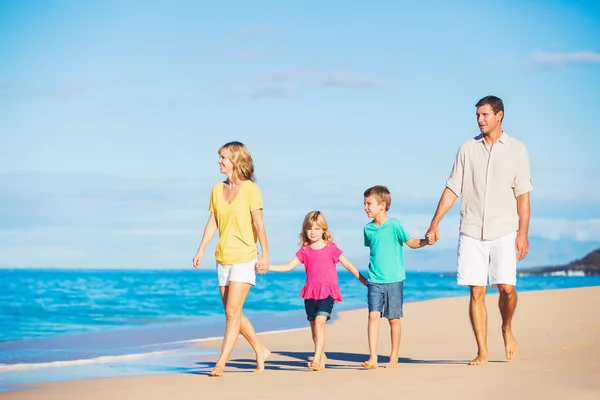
(478,314)
(507,304)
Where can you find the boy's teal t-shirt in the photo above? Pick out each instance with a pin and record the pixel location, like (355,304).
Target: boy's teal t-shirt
(386,261)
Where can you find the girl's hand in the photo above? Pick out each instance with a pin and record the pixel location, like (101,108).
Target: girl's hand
(362,280)
(197,259)
(263,269)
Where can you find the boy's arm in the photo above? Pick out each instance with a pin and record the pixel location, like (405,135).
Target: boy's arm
(352,269)
(285,267)
(417,243)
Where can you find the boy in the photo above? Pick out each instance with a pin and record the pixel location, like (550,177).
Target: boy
(385,237)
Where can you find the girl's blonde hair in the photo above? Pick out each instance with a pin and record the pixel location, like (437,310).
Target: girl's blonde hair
(314,217)
(243,166)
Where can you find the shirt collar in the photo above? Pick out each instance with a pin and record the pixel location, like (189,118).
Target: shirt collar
(504,138)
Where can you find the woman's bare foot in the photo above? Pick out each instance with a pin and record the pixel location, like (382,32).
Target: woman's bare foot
(217,371)
(260,360)
(481,359)
(316,367)
(510,344)
(370,364)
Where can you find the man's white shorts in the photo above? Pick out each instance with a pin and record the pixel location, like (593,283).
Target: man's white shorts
(480,260)
(240,272)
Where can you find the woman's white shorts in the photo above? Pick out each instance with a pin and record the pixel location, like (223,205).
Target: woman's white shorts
(480,260)
(240,272)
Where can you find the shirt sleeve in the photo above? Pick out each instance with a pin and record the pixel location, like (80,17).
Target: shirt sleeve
(401,233)
(255,198)
(300,254)
(366,237)
(455,181)
(212,203)
(335,253)
(522,183)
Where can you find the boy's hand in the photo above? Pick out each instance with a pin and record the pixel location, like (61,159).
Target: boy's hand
(362,280)
(431,238)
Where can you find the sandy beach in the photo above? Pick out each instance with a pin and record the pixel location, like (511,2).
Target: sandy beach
(558,333)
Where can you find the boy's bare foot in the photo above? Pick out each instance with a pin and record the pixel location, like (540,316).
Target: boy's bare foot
(217,371)
(370,364)
(510,344)
(260,360)
(481,359)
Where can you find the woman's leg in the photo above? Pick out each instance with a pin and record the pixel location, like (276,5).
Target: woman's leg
(233,297)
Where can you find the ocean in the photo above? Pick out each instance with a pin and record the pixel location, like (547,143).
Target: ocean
(81,324)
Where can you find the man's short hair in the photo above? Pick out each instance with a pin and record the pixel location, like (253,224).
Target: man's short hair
(494,102)
(381,194)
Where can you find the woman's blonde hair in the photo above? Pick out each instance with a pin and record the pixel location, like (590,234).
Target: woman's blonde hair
(243,166)
(314,217)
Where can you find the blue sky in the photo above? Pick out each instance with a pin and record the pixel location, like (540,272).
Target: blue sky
(112,112)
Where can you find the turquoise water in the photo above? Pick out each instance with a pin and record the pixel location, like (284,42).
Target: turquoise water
(81,318)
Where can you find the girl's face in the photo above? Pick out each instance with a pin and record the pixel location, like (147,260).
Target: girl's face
(225,164)
(314,233)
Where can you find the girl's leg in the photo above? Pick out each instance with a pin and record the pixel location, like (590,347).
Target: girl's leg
(396,331)
(247,330)
(314,339)
(319,330)
(373,335)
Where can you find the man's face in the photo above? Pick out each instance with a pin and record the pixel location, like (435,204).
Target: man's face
(487,120)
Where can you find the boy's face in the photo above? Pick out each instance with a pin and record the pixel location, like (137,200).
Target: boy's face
(373,208)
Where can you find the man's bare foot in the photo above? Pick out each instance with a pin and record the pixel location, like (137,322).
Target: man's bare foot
(370,364)
(260,360)
(217,371)
(510,344)
(481,359)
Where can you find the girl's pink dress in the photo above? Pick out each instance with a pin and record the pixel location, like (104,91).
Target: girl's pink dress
(321,273)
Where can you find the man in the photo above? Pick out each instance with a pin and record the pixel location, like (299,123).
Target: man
(491,173)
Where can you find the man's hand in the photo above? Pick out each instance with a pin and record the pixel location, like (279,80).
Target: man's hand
(521,246)
(433,234)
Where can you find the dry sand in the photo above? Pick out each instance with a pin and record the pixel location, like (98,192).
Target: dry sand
(558,333)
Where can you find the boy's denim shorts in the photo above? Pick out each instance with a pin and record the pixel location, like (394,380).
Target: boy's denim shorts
(387,298)
(315,308)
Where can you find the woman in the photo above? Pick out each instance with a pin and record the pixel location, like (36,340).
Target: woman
(236,211)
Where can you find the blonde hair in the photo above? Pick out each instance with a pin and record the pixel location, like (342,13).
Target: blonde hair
(314,217)
(243,166)
(381,194)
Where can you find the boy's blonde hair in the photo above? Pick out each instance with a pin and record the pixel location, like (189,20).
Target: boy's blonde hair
(381,194)
(314,217)
(243,166)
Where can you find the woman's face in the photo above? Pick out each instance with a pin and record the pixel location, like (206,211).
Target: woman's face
(225,164)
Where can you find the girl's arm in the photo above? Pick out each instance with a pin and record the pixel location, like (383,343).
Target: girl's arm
(209,232)
(352,269)
(285,267)
(259,227)
(417,243)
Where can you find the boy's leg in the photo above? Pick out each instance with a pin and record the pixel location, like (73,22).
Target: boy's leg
(394,298)
(395,333)
(376,306)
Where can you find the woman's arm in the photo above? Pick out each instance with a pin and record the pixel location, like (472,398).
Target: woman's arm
(259,227)
(352,269)
(209,232)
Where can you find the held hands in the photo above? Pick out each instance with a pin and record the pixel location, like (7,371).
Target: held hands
(262,266)
(432,235)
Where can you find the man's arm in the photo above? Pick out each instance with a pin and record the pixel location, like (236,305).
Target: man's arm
(445,204)
(522,242)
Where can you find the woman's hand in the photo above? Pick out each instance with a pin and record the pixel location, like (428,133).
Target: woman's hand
(197,259)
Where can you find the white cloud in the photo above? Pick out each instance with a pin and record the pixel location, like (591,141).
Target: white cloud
(564,59)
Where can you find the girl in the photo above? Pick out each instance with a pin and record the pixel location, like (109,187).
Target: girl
(236,211)
(319,255)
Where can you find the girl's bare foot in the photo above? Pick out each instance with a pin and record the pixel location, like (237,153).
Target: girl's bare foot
(217,371)
(260,360)
(370,364)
